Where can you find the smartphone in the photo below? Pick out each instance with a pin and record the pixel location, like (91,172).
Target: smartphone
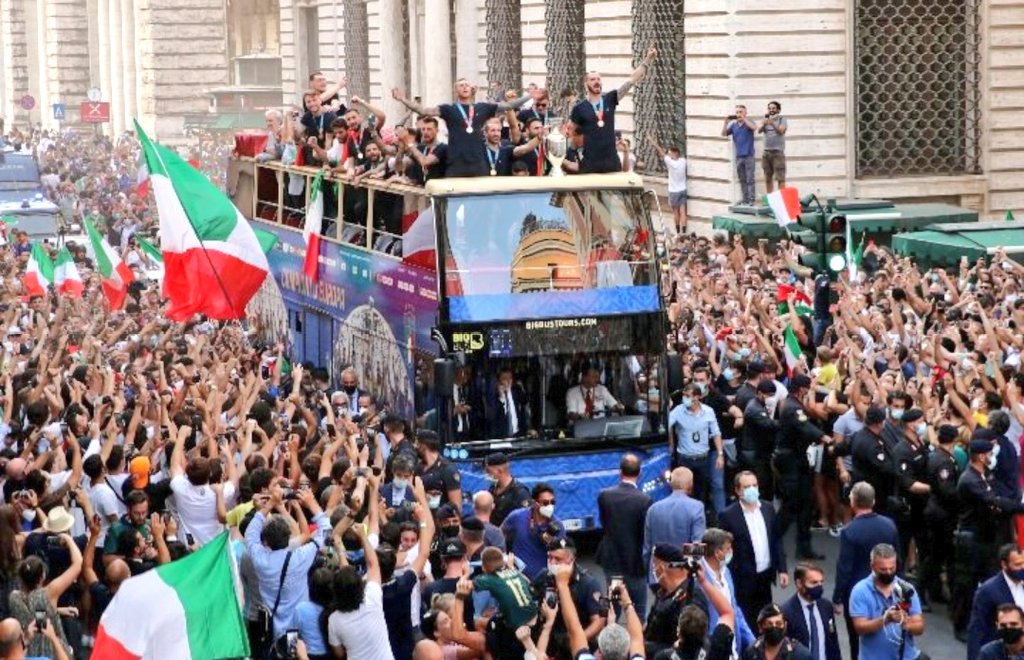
(54,542)
(292,642)
(189,539)
(40,619)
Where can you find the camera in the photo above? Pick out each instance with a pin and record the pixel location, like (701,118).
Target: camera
(732,117)
(54,542)
(291,494)
(767,116)
(550,598)
(904,593)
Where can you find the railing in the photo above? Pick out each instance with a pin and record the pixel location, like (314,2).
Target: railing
(370,214)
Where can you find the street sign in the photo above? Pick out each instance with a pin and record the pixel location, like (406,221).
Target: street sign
(28,102)
(59,111)
(95,113)
(94,94)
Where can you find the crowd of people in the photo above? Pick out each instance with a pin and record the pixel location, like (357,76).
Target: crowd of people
(884,410)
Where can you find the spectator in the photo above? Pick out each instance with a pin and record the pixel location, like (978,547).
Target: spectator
(508,589)
(356,627)
(483,510)
(741,129)
(675,165)
(529,531)
(715,567)
(773,157)
(810,616)
(884,608)
(15,640)
(39,595)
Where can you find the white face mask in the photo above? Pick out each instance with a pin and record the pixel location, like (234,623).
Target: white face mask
(29,514)
(992,460)
(547,510)
(433,501)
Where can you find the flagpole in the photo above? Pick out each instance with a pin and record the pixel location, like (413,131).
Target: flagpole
(206,253)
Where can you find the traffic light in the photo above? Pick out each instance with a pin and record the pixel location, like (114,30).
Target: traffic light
(811,235)
(835,244)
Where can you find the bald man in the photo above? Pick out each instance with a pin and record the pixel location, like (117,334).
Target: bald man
(483,507)
(677,519)
(13,640)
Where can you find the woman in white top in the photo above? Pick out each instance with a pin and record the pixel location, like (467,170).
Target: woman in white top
(356,628)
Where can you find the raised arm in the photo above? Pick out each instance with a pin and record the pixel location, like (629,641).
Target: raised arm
(514,104)
(422,111)
(653,141)
(639,72)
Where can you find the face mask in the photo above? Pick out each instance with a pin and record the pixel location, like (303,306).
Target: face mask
(751,495)
(29,514)
(350,389)
(992,461)
(744,352)
(703,387)
(658,575)
(450,531)
(728,373)
(728,558)
(792,279)
(687,401)
(433,501)
(1010,635)
(491,479)
(1017,576)
(547,510)
(885,578)
(921,429)
(400,484)
(815,592)
(774,636)
(362,412)
(896,413)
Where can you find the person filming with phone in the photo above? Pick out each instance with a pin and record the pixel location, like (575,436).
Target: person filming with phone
(886,611)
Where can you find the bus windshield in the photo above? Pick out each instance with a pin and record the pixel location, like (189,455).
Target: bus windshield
(540,254)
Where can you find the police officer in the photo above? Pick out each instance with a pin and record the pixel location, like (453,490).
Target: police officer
(692,433)
(760,431)
(441,479)
(509,493)
(674,590)
(874,462)
(982,513)
(911,456)
(796,434)
(940,513)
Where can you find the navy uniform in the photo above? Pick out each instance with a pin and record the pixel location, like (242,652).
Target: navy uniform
(759,432)
(442,477)
(796,434)
(940,515)
(873,462)
(982,514)
(912,465)
(515,496)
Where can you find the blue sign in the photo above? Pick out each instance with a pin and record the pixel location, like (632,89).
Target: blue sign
(59,111)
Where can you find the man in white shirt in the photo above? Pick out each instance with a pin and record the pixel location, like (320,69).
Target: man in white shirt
(590,399)
(101,495)
(194,496)
(675,166)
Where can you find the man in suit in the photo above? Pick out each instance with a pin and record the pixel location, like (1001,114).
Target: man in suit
(810,619)
(758,558)
(623,509)
(507,415)
(675,520)
(866,530)
(350,385)
(717,559)
(1006,586)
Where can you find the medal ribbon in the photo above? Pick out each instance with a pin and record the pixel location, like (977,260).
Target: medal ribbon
(599,109)
(466,118)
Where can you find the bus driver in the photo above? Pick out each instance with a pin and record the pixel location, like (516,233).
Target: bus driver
(590,399)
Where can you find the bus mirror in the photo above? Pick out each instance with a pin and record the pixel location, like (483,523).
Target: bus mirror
(444,377)
(675,371)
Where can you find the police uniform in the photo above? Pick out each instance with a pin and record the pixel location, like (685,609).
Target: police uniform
(759,432)
(982,513)
(515,496)
(442,476)
(912,465)
(796,434)
(662,628)
(873,463)
(940,515)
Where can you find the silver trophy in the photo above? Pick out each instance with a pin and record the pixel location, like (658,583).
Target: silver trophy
(555,146)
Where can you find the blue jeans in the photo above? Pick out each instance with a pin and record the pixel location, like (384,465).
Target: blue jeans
(745,173)
(717,479)
(820,326)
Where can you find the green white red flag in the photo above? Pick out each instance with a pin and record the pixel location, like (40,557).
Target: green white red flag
(785,204)
(38,272)
(801,302)
(115,273)
(311,230)
(188,608)
(214,261)
(66,276)
(791,349)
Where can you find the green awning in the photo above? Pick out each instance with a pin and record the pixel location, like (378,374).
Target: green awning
(751,226)
(940,247)
(230,122)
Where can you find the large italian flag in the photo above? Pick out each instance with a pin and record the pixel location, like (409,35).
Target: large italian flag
(791,349)
(785,205)
(115,273)
(186,609)
(65,275)
(312,228)
(213,260)
(38,272)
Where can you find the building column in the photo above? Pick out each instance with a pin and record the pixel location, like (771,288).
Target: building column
(117,108)
(39,54)
(467,30)
(392,58)
(16,60)
(415,10)
(128,61)
(103,39)
(437,68)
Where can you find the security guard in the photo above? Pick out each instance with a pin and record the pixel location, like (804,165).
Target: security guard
(441,479)
(940,514)
(796,434)
(911,456)
(873,462)
(982,513)
(760,430)
(509,493)
(692,432)
(674,590)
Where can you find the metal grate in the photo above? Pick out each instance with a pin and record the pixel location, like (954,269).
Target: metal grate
(660,100)
(504,44)
(566,55)
(917,79)
(357,57)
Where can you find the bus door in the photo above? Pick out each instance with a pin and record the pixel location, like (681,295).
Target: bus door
(312,334)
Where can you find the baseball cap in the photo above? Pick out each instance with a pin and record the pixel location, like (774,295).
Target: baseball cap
(800,382)
(561,544)
(913,415)
(453,548)
(668,552)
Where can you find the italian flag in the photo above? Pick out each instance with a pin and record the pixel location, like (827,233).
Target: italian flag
(186,609)
(151,250)
(65,275)
(38,272)
(115,273)
(313,227)
(785,204)
(791,348)
(213,260)
(142,178)
(802,304)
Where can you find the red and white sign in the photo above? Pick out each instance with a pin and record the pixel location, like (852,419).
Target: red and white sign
(95,113)
(28,102)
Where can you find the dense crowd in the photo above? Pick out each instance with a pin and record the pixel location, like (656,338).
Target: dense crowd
(884,410)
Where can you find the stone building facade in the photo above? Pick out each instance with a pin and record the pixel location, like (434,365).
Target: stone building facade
(901,99)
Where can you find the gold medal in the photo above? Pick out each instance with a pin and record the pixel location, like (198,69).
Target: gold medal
(469,129)
(600,123)
(494,172)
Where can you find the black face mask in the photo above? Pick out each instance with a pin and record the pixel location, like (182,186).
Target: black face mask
(774,636)
(1011,635)
(885,578)
(449,531)
(349,388)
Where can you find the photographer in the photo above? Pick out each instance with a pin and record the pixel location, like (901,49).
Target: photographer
(885,610)
(591,609)
(691,638)
(614,642)
(675,589)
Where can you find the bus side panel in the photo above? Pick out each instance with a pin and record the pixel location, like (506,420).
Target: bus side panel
(577,479)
